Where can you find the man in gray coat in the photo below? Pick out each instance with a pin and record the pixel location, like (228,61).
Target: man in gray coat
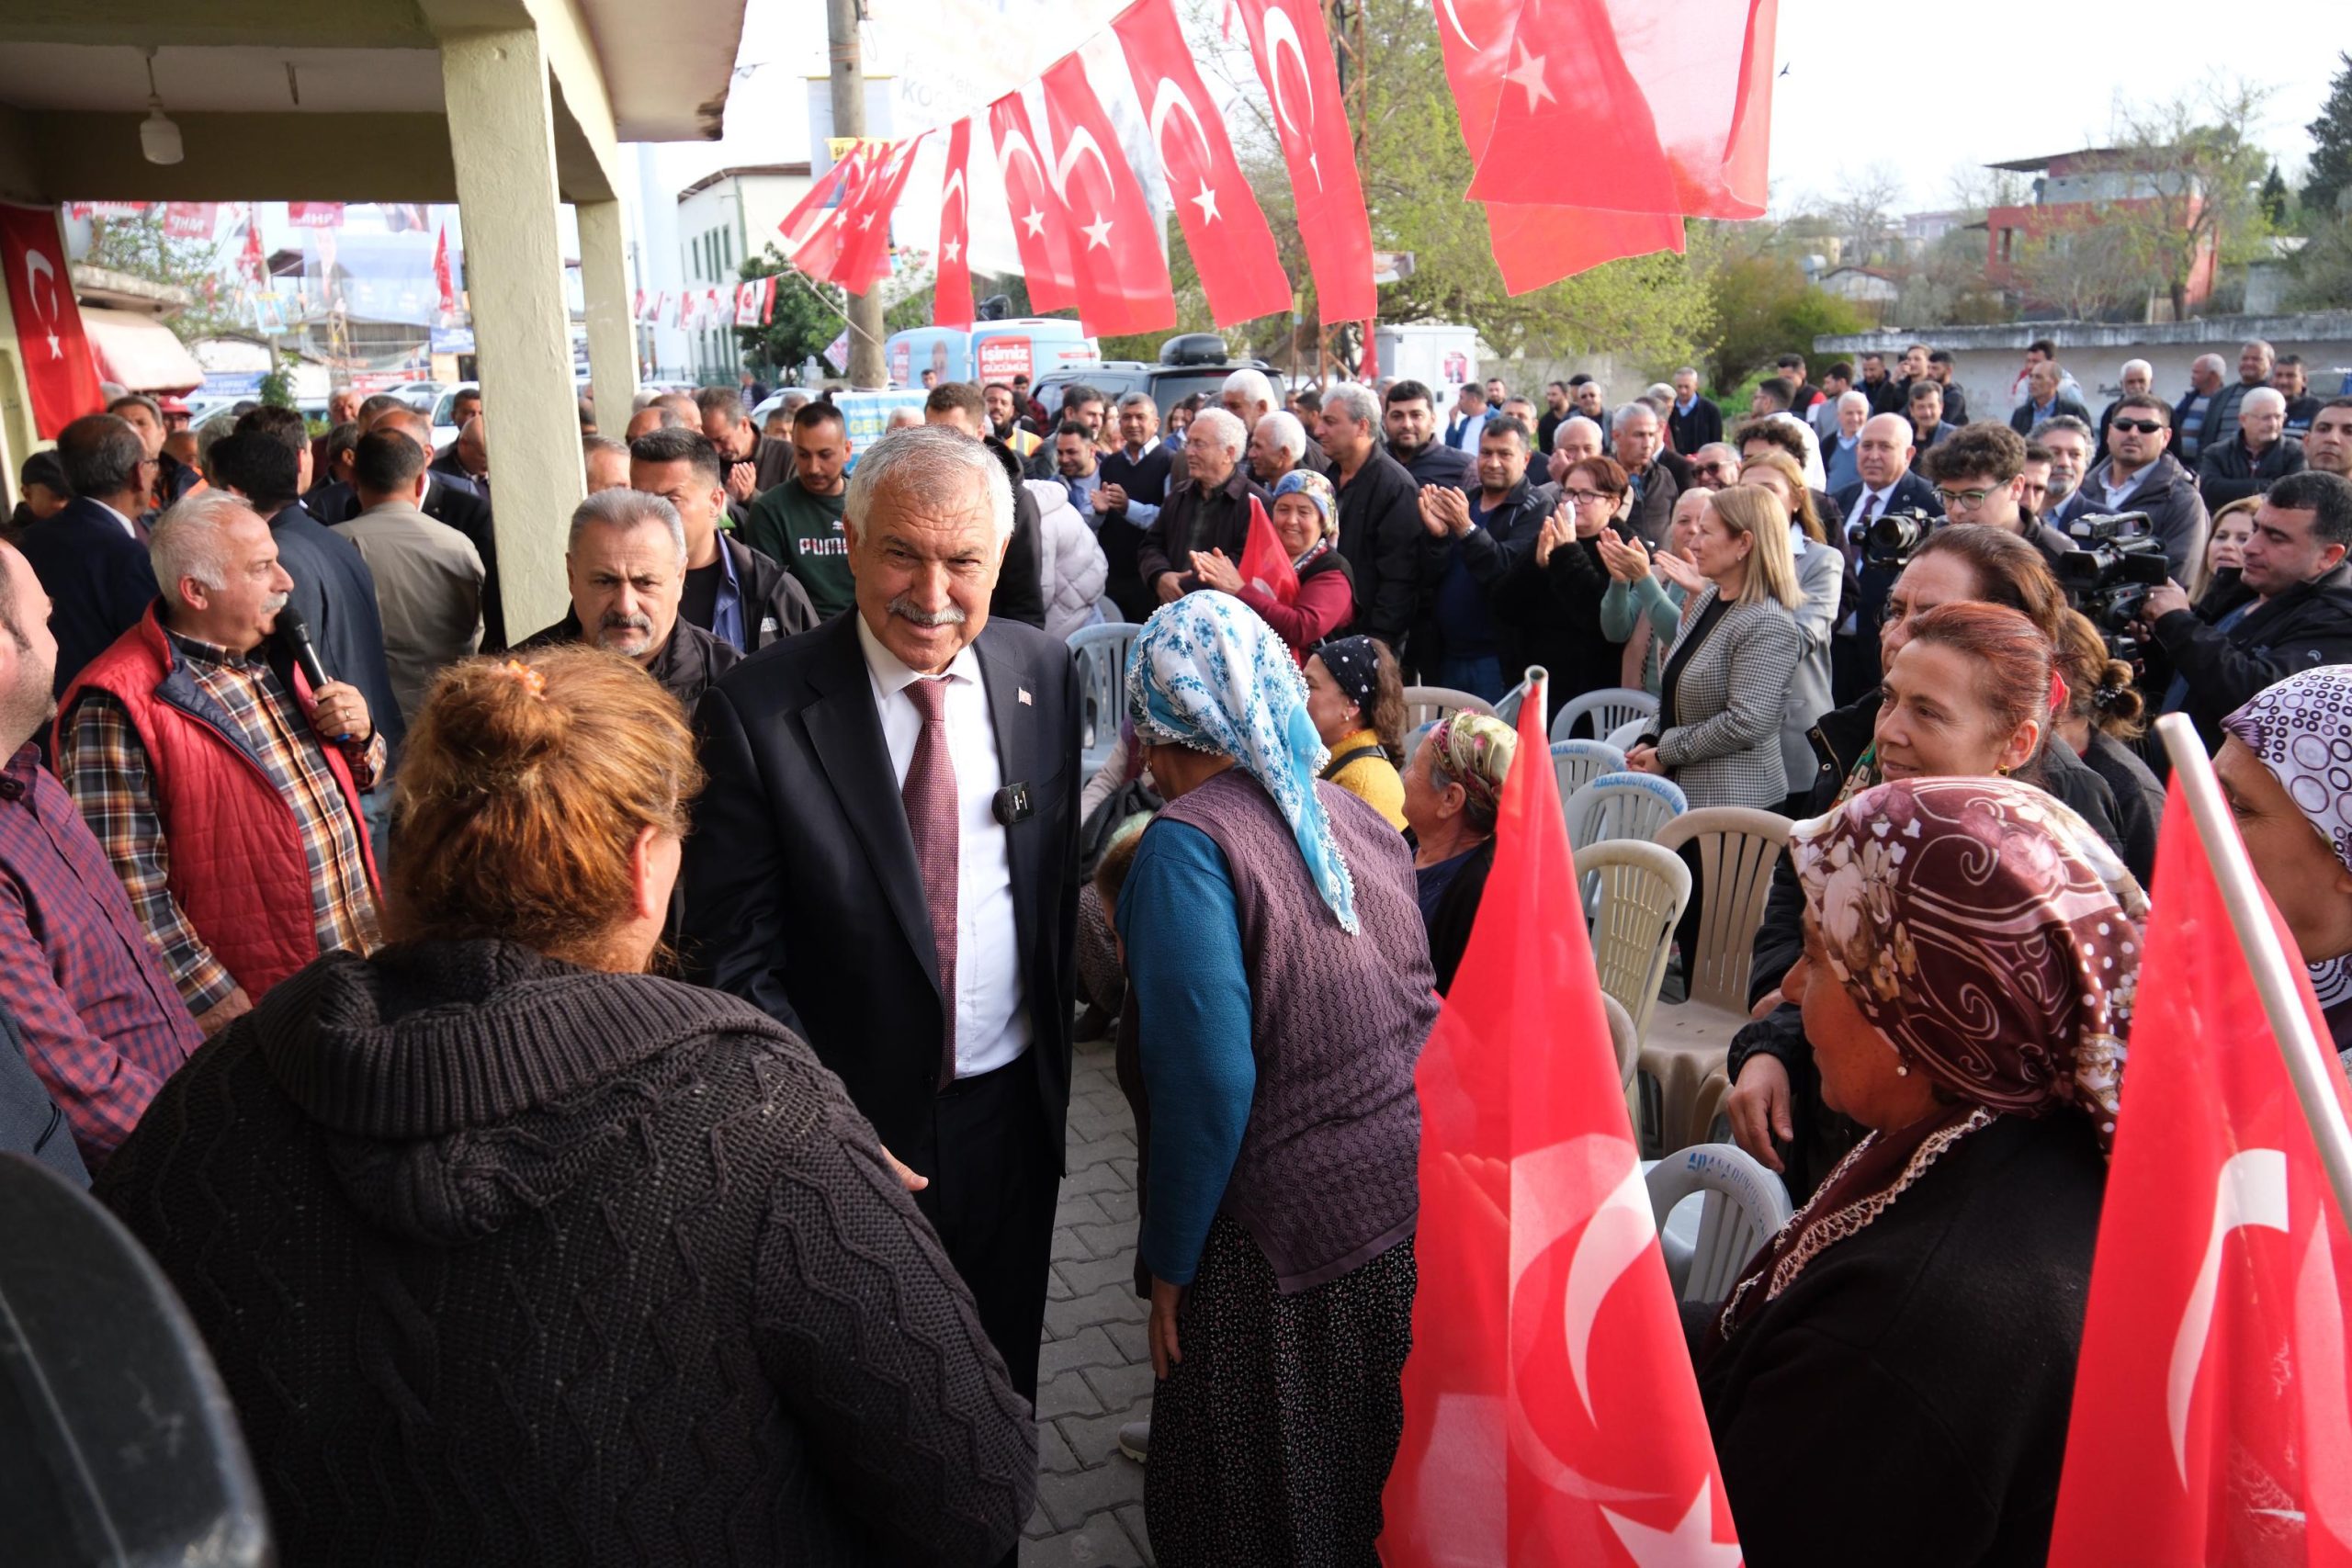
(429,576)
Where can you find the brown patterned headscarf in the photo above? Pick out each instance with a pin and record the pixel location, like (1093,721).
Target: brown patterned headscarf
(1992,937)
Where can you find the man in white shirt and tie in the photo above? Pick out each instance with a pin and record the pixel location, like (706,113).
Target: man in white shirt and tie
(1883,454)
(884,861)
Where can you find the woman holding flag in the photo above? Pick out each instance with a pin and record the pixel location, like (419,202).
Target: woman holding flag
(1972,949)
(1317,598)
(1282,986)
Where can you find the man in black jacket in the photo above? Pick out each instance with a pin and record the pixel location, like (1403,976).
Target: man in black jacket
(1020,585)
(1136,477)
(1409,421)
(91,556)
(1380,515)
(627,563)
(1692,421)
(732,591)
(2288,608)
(2257,456)
(1209,512)
(1461,637)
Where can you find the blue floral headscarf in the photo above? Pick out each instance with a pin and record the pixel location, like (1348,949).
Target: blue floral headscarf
(1209,675)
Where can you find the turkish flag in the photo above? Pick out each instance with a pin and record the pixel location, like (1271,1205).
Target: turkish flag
(1532,245)
(1240,266)
(951,292)
(1565,84)
(812,230)
(747,303)
(1294,59)
(1706,68)
(1040,228)
(443,280)
(251,262)
(2212,1418)
(1122,273)
(58,367)
(1264,563)
(865,220)
(767,299)
(1551,1415)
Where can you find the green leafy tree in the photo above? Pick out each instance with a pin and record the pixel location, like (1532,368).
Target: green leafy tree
(2273,199)
(138,247)
(277,390)
(1762,307)
(2322,269)
(810,314)
(2331,170)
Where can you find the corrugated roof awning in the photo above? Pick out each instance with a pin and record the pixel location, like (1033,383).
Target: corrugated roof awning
(139,352)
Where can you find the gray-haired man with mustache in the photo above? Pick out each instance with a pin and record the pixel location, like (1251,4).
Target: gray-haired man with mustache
(627,560)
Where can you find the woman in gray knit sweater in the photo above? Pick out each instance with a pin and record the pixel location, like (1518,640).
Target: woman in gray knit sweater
(510,1252)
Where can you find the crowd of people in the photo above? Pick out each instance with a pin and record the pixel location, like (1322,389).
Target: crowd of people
(627,1064)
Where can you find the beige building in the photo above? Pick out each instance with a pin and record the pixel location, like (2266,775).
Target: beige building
(725,218)
(508,107)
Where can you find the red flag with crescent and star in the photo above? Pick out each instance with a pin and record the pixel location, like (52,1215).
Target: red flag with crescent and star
(865,219)
(58,368)
(1121,271)
(2212,1418)
(1552,1419)
(444,282)
(1240,266)
(1040,228)
(813,232)
(951,294)
(1294,59)
(1532,245)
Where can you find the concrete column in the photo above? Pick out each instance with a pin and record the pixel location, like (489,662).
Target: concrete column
(502,143)
(612,334)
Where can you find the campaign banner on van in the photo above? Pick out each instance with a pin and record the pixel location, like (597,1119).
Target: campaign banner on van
(1003,358)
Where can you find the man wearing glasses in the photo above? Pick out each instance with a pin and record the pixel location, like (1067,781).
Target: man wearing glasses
(2140,475)
(1977,474)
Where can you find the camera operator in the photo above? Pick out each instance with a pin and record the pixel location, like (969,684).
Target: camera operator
(1888,488)
(2141,476)
(1976,474)
(2288,608)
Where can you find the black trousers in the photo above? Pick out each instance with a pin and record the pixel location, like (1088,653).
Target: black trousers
(994,1180)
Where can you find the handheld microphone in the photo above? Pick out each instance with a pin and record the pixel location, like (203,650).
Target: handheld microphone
(297,633)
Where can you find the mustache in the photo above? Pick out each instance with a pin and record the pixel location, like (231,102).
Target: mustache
(613,623)
(904,608)
(274,603)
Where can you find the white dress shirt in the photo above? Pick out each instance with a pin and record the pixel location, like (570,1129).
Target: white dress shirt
(991,1017)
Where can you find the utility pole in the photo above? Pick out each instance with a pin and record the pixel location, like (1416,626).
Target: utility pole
(849,119)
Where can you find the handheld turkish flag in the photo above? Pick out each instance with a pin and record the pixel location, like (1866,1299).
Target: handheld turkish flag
(1551,1416)
(1294,59)
(58,368)
(2212,1418)
(442,280)
(951,294)
(1240,266)
(1265,565)
(1040,227)
(1121,272)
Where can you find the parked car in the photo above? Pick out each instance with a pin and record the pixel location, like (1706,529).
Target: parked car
(1190,363)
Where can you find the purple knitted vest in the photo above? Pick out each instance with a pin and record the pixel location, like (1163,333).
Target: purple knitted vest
(1325,1180)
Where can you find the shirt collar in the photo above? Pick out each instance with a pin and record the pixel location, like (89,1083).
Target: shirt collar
(890,673)
(16,779)
(1687,404)
(208,652)
(1148,448)
(116,515)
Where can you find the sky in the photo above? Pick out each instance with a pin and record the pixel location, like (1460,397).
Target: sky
(1998,79)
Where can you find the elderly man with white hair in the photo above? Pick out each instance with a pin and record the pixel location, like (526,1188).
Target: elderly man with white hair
(1249,396)
(2192,416)
(223,787)
(883,863)
(1837,462)
(2135,377)
(1209,513)
(1638,445)
(2257,456)
(1275,446)
(1380,516)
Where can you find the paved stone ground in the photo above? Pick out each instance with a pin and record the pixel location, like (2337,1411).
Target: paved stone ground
(1094,1373)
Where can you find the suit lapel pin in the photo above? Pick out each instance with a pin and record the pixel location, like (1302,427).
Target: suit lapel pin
(1025,701)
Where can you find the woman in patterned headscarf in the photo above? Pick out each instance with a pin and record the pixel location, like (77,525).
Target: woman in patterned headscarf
(2286,768)
(1281,982)
(1453,787)
(1972,949)
(1305,516)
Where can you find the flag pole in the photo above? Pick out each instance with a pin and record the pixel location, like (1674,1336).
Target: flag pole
(2274,972)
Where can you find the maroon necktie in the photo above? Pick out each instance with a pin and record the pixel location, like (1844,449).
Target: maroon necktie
(928,795)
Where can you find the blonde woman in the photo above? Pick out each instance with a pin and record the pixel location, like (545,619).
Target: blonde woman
(2225,539)
(1725,683)
(1820,576)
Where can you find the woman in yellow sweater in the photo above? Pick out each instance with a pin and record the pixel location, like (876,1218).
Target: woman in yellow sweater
(1356,695)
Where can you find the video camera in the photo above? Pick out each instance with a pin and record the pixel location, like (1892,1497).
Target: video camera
(2116,560)
(1893,539)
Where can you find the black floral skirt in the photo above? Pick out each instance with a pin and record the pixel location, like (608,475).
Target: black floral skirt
(1270,1440)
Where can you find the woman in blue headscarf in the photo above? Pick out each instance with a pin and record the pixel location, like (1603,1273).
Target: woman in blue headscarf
(1282,986)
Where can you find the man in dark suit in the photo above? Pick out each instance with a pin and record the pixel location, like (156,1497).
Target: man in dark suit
(467,458)
(1883,454)
(886,862)
(90,556)
(1692,421)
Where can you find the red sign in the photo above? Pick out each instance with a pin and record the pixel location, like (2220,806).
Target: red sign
(190,219)
(1003,358)
(902,361)
(58,370)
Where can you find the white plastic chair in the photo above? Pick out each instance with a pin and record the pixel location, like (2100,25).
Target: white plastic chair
(1623,805)
(1626,734)
(1575,763)
(1744,1206)
(1636,893)
(1430,704)
(1622,1038)
(1108,608)
(1610,709)
(1101,653)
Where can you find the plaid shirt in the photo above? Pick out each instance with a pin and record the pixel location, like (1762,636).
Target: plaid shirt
(102,1026)
(106,771)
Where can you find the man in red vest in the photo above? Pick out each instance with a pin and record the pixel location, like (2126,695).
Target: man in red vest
(224,789)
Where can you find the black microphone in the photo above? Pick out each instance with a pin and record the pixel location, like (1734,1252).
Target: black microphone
(297,633)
